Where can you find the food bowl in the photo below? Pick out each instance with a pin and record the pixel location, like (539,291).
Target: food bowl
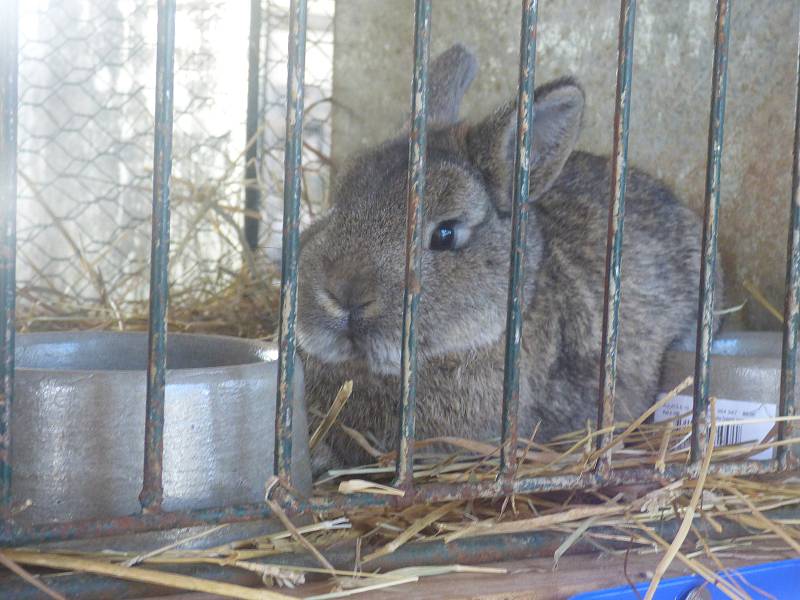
(745,365)
(745,380)
(78,423)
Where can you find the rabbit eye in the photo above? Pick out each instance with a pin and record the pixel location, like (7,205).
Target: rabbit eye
(444,235)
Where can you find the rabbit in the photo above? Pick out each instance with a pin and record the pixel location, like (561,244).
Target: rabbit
(351,278)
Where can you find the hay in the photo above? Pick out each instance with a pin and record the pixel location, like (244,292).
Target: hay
(217,284)
(627,517)
(243,301)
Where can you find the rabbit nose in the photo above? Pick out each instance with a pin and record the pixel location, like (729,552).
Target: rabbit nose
(354,298)
(355,314)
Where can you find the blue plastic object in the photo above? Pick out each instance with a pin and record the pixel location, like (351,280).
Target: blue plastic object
(762,582)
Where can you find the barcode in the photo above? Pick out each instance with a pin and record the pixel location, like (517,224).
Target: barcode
(735,419)
(727,435)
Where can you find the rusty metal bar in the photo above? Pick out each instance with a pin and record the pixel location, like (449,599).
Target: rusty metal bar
(413,284)
(705,325)
(16,535)
(152,486)
(520,203)
(616,222)
(295,91)
(466,550)
(8,201)
(791,309)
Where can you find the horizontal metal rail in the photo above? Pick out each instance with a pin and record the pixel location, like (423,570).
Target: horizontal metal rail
(12,534)
(467,550)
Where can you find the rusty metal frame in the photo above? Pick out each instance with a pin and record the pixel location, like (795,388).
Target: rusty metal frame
(152,517)
(520,205)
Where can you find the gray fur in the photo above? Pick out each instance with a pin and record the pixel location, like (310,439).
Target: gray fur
(352,263)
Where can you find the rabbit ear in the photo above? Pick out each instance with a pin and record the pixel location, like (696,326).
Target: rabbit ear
(558,109)
(451,74)
(449,78)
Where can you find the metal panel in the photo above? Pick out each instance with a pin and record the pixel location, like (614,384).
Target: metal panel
(8,204)
(616,222)
(520,203)
(705,325)
(413,283)
(791,310)
(152,487)
(295,90)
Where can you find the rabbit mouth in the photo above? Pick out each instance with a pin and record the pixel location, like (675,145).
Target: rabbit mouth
(379,354)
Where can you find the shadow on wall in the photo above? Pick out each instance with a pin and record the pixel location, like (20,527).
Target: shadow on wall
(671,95)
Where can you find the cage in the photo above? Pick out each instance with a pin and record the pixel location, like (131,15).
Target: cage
(78,127)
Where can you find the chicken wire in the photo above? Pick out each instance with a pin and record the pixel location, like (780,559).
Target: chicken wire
(86,91)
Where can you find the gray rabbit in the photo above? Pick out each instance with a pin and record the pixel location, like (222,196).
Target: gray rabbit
(350,290)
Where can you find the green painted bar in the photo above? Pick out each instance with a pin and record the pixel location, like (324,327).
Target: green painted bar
(705,325)
(413,279)
(520,204)
(9,20)
(616,222)
(295,90)
(152,486)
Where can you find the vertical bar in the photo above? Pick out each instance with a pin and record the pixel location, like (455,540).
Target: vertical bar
(8,200)
(291,236)
(152,488)
(404,473)
(519,226)
(705,329)
(252,193)
(791,309)
(616,223)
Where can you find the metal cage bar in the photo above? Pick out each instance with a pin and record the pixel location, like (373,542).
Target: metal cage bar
(791,309)
(152,518)
(9,20)
(252,193)
(616,222)
(705,325)
(14,535)
(520,203)
(295,93)
(404,473)
(152,486)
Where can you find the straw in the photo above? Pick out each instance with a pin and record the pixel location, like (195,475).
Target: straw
(688,514)
(184,582)
(35,582)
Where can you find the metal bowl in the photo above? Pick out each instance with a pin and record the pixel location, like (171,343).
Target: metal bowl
(745,380)
(78,423)
(745,365)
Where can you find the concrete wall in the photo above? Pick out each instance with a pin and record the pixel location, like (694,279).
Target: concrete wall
(671,90)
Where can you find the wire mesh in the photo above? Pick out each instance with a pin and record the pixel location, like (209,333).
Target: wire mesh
(85,161)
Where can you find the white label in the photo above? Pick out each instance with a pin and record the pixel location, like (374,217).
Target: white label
(727,410)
